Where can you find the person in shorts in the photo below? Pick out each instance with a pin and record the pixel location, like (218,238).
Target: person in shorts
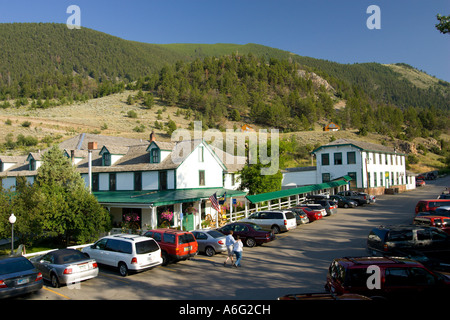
(229,242)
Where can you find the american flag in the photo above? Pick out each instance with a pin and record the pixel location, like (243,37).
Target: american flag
(214,202)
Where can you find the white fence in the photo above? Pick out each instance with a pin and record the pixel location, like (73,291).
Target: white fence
(28,255)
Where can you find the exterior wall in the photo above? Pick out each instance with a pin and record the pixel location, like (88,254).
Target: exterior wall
(338,170)
(188,171)
(292,179)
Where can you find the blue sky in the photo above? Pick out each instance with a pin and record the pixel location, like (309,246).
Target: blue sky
(334,30)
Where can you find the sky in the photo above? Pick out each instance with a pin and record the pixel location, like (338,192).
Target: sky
(334,30)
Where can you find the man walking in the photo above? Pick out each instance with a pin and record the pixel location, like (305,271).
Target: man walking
(229,242)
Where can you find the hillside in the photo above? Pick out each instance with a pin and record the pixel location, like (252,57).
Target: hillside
(51,78)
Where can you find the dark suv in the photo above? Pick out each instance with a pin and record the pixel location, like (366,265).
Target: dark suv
(396,239)
(385,278)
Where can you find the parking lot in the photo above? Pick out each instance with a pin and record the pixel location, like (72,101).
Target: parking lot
(297,261)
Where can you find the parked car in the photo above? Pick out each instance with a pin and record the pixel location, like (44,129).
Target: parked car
(440,222)
(300,216)
(431,205)
(251,234)
(275,220)
(431,175)
(344,202)
(361,198)
(444,196)
(210,241)
(420,183)
(312,214)
(397,278)
(127,252)
(314,207)
(432,242)
(18,276)
(176,245)
(65,266)
(329,205)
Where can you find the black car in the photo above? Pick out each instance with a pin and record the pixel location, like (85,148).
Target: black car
(18,276)
(344,202)
(391,240)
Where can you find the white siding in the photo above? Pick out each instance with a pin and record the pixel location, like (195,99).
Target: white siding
(188,171)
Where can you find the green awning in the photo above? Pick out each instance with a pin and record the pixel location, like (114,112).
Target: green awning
(295,191)
(161,198)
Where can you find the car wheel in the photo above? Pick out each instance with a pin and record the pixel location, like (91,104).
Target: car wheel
(209,251)
(345,205)
(123,269)
(54,280)
(165,258)
(250,242)
(275,229)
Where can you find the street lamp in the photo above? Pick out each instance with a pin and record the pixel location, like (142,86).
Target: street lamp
(12,220)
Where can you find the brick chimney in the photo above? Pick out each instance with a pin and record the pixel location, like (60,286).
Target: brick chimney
(92,145)
(152,137)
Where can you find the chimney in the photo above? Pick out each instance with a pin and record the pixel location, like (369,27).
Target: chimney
(92,145)
(152,137)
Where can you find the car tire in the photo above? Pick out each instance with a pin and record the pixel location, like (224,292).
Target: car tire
(345,205)
(54,280)
(250,242)
(123,269)
(209,251)
(165,258)
(275,229)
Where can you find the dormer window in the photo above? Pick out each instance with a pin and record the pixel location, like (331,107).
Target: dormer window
(155,155)
(32,165)
(106,159)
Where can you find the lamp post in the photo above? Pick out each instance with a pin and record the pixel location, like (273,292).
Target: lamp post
(12,220)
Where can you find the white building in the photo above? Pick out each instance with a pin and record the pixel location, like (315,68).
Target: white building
(372,167)
(146,178)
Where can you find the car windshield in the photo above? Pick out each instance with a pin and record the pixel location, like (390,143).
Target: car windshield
(15,265)
(215,234)
(256,227)
(146,246)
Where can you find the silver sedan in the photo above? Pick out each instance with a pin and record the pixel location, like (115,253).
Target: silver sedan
(65,266)
(210,241)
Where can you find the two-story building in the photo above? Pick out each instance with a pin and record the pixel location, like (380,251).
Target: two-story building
(144,178)
(372,167)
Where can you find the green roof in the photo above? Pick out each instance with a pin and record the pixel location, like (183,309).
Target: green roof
(161,198)
(294,191)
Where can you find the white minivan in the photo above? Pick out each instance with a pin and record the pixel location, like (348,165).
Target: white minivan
(275,220)
(127,252)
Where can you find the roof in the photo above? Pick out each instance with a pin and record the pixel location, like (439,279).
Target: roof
(160,198)
(362,145)
(294,191)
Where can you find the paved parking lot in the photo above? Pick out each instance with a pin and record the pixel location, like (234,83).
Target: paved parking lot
(296,262)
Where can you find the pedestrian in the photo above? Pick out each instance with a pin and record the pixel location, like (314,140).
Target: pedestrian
(237,249)
(229,242)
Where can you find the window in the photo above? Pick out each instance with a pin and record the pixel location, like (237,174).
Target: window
(138,181)
(154,156)
(325,159)
(338,158)
(381,179)
(381,158)
(386,161)
(112,182)
(375,179)
(351,157)
(32,164)
(374,158)
(325,177)
(106,159)
(1,166)
(201,154)
(95,182)
(201,177)
(163,180)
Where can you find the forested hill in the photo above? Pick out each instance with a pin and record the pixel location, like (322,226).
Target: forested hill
(49,61)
